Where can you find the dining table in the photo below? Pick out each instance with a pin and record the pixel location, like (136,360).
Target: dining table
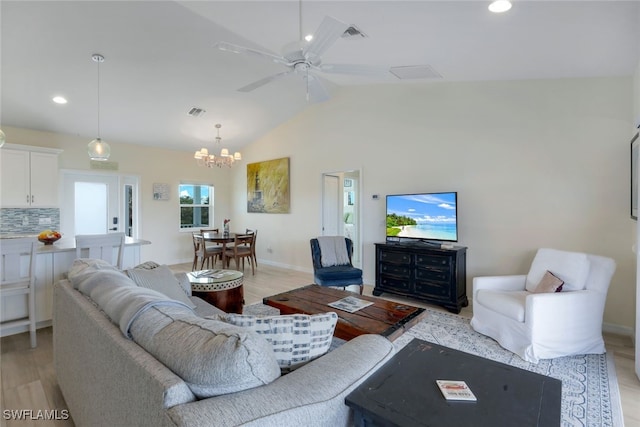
(221,239)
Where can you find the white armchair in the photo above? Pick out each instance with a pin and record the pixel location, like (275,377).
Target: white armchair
(546,325)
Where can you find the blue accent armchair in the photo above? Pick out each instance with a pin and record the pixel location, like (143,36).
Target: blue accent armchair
(336,275)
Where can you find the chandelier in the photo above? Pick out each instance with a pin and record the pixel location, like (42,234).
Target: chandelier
(203,157)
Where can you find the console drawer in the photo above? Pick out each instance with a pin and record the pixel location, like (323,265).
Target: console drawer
(395,257)
(433,290)
(396,270)
(433,261)
(436,275)
(394,284)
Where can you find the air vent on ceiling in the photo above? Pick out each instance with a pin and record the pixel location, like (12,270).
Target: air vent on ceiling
(196,112)
(415,72)
(352,32)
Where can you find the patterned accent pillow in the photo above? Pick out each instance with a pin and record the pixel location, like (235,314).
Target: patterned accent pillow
(549,284)
(295,339)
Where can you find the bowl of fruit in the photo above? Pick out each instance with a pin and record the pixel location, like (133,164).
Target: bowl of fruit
(48,237)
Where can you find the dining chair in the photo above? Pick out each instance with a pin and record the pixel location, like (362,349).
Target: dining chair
(253,246)
(16,280)
(210,230)
(204,252)
(241,249)
(101,246)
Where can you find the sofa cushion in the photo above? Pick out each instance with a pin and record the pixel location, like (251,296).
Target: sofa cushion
(570,267)
(212,357)
(296,339)
(343,272)
(160,279)
(511,304)
(549,284)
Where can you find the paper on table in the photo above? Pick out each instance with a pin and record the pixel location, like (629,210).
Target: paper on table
(350,304)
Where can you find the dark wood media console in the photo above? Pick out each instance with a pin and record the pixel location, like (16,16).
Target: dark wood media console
(423,272)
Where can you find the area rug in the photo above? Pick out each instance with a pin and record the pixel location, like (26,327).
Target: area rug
(590,394)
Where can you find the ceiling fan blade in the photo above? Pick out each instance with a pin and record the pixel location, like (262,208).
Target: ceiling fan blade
(361,70)
(229,47)
(328,32)
(316,90)
(262,82)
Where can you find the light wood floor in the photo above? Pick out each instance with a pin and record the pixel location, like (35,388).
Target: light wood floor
(28,379)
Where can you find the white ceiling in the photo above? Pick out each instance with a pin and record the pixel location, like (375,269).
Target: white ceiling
(161,59)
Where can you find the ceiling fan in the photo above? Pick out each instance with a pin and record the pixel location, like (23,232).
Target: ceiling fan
(304,59)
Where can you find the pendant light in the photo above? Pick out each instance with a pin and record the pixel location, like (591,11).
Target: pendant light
(98,149)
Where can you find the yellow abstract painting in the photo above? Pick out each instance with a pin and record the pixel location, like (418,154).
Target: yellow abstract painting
(268,186)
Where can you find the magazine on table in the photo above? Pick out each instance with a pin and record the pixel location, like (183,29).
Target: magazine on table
(214,274)
(350,304)
(455,390)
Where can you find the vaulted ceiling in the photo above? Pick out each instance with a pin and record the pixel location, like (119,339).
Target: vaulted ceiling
(161,59)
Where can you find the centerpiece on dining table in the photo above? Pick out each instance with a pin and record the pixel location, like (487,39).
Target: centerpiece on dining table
(225,227)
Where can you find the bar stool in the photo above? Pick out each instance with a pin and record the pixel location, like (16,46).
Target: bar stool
(16,254)
(101,246)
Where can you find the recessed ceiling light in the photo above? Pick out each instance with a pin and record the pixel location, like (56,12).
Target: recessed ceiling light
(500,6)
(59,100)
(308,37)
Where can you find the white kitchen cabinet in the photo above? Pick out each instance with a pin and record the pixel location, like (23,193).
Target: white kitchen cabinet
(29,176)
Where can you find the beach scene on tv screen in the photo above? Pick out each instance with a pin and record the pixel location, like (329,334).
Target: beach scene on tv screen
(422,216)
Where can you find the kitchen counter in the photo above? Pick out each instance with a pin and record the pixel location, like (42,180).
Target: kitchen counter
(67,244)
(52,264)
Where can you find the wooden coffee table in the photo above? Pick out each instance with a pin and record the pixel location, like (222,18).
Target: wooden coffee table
(386,318)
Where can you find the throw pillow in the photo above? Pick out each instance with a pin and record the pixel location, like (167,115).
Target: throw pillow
(295,339)
(212,357)
(549,283)
(160,279)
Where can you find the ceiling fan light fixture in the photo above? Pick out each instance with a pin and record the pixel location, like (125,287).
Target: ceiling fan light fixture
(500,6)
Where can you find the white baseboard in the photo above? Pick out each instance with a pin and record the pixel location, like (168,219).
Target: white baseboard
(287,266)
(613,328)
(25,328)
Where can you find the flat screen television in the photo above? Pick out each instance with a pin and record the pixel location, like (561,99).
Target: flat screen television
(423,216)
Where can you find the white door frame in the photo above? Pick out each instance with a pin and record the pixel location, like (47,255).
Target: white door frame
(358,211)
(69,177)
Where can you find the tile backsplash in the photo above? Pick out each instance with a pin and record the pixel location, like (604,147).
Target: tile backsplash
(21,220)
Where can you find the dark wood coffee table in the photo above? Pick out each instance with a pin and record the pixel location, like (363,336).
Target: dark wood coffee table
(386,318)
(404,392)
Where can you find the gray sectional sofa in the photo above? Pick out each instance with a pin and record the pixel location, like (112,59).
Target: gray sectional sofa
(108,379)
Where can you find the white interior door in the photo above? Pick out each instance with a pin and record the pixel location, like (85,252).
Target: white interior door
(94,203)
(331,204)
(341,210)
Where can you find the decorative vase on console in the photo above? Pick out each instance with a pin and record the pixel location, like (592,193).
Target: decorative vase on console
(225,227)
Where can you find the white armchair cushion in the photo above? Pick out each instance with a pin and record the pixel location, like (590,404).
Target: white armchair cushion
(570,267)
(511,304)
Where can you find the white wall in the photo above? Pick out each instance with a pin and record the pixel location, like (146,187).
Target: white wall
(535,163)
